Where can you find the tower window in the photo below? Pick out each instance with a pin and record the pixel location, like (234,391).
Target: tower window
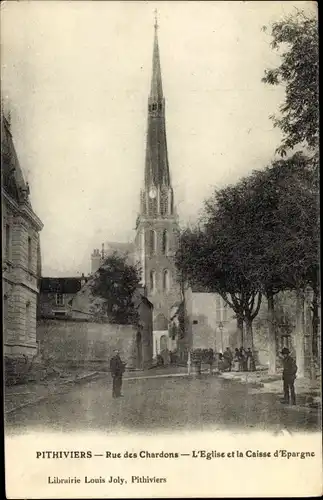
(165,242)
(166,280)
(152,241)
(153,281)
(163,203)
(160,106)
(154,107)
(152,207)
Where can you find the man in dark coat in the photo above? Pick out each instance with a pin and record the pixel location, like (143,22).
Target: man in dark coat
(228,358)
(117,368)
(289,376)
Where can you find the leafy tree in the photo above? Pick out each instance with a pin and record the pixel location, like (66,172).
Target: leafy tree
(116,282)
(217,255)
(296,38)
(257,237)
(284,200)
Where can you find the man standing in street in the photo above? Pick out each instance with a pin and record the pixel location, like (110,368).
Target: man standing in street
(117,368)
(289,376)
(228,358)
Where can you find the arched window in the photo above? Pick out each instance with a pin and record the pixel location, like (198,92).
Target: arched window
(165,242)
(152,207)
(152,241)
(166,280)
(164,203)
(152,281)
(171,203)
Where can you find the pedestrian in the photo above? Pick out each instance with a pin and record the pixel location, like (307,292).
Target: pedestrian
(243,360)
(236,360)
(250,360)
(228,358)
(220,362)
(117,368)
(289,376)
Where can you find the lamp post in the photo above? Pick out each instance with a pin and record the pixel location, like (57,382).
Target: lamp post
(221,332)
(189,362)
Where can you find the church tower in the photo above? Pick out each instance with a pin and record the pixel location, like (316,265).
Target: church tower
(157,227)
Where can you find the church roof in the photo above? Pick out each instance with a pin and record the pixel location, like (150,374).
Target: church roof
(13,180)
(156,89)
(61,285)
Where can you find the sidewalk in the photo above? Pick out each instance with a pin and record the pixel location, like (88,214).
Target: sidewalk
(19,396)
(308,393)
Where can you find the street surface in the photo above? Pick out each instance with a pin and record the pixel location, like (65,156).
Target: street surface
(151,404)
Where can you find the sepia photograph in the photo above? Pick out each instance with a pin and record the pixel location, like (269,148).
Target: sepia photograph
(160,248)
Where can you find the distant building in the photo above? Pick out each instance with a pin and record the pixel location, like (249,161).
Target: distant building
(56,296)
(211,323)
(124,249)
(21,259)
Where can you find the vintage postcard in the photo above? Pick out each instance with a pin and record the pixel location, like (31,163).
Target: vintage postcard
(160,251)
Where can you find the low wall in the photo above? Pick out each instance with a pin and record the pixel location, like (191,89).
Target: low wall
(70,341)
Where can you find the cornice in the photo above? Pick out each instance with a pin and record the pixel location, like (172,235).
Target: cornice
(23,209)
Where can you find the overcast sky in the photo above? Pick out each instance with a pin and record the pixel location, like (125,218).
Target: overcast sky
(77,75)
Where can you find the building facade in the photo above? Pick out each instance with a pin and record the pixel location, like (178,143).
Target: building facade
(21,264)
(56,296)
(157,228)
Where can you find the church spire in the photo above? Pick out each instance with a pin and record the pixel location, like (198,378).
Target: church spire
(156,169)
(156,91)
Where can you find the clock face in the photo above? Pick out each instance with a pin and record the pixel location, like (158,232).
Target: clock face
(152,193)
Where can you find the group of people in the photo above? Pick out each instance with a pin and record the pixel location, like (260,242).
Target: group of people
(244,360)
(241,361)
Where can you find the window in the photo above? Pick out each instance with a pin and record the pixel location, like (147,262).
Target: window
(165,242)
(29,252)
(152,207)
(166,280)
(163,203)
(171,204)
(8,242)
(59,299)
(160,106)
(5,310)
(152,281)
(27,320)
(154,107)
(152,241)
(60,314)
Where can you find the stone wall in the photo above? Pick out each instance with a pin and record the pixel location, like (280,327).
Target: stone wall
(84,342)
